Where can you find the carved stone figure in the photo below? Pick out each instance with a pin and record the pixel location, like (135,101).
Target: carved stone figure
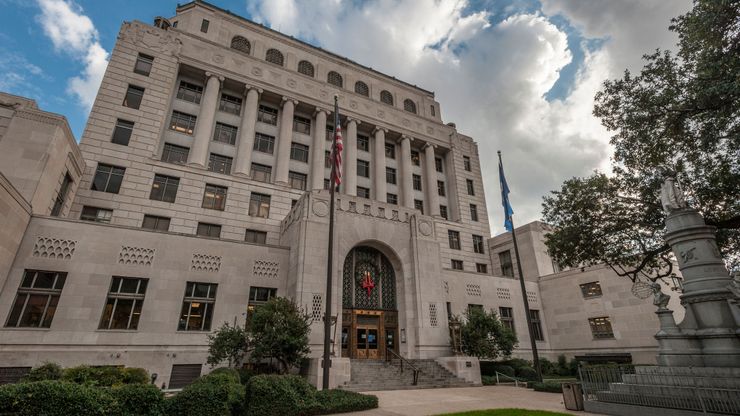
(660,299)
(671,196)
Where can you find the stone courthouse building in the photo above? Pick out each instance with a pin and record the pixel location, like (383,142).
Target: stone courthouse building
(198,191)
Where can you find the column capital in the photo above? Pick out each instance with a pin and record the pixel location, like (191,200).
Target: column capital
(405,137)
(429,144)
(285,99)
(320,110)
(349,119)
(210,74)
(378,128)
(248,88)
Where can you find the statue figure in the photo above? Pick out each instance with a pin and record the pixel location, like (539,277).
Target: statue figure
(660,299)
(671,196)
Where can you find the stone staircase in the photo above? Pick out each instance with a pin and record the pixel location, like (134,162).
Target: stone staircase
(374,375)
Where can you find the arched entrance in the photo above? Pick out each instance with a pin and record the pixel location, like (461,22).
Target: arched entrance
(369,314)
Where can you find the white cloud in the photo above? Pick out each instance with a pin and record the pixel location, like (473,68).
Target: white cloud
(73,32)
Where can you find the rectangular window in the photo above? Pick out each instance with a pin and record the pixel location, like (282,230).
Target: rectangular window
(123,308)
(189,92)
(591,290)
(299,152)
(473,212)
(219,164)
(449,312)
(390,175)
(431,108)
(143,64)
(61,195)
(259,205)
(153,222)
(197,307)
(329,134)
(267,115)
(601,328)
(327,159)
(478,245)
(419,204)
(297,180)
(443,211)
(326,184)
(438,164)
(260,173)
(507,317)
(108,178)
(175,154)
(122,132)
(391,199)
(441,188)
(534,317)
(416,180)
(363,143)
(133,97)
(507,267)
(456,264)
(466,163)
(182,122)
(230,104)
(264,143)
(37,299)
(481,267)
(415,158)
(473,307)
(95,214)
(363,192)
(390,150)
(258,296)
(225,133)
(302,125)
(363,168)
(454,237)
(254,236)
(204,26)
(471,187)
(208,230)
(214,197)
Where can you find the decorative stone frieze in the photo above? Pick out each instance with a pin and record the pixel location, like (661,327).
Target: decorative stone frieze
(54,248)
(205,263)
(472,289)
(266,269)
(136,256)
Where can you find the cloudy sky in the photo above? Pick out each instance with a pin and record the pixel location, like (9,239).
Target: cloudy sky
(517,75)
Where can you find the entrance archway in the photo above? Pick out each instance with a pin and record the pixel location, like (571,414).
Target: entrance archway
(369,311)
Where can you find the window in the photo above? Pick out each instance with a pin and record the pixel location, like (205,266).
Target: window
(438,164)
(133,97)
(254,236)
(267,115)
(182,122)
(601,328)
(471,187)
(122,132)
(415,157)
(329,135)
(481,267)
(189,92)
(416,180)
(184,374)
(507,267)
(390,150)
(175,154)
(327,159)
(259,296)
(197,307)
(362,89)
(534,317)
(473,212)
(478,245)
(230,104)
(449,312)
(37,299)
(164,188)
(454,237)
(473,307)
(153,222)
(363,143)
(441,188)
(409,106)
(61,195)
(306,68)
(506,316)
(204,26)
(335,79)
(419,204)
(143,64)
(219,164)
(386,97)
(591,290)
(456,264)
(299,152)
(274,56)
(241,44)
(363,192)
(259,205)
(208,230)
(260,173)
(214,197)
(432,110)
(363,168)
(96,214)
(123,308)
(225,133)
(264,143)
(108,178)
(174,24)
(443,211)
(390,175)
(297,180)
(327,184)
(466,163)
(391,199)
(301,125)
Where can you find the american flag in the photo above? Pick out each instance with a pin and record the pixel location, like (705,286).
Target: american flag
(337,150)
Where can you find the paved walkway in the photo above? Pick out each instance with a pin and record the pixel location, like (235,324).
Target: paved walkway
(437,401)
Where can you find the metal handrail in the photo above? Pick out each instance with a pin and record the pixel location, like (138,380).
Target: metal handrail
(402,361)
(516,382)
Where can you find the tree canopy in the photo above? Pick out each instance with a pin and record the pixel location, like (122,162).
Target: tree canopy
(484,336)
(680,116)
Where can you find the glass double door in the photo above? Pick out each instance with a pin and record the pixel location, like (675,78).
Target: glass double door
(368,334)
(367,342)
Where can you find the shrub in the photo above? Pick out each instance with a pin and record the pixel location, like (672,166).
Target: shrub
(341,401)
(46,371)
(138,400)
(504,369)
(527,373)
(280,395)
(229,372)
(547,366)
(134,375)
(517,363)
(213,394)
(488,380)
(549,387)
(107,376)
(54,398)
(245,374)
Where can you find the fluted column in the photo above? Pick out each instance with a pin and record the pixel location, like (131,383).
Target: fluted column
(406,180)
(284,141)
(204,124)
(430,172)
(246,131)
(379,164)
(317,149)
(350,159)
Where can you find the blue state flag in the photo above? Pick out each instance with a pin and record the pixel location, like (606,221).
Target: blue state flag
(508,212)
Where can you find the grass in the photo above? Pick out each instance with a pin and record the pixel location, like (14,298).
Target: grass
(506,412)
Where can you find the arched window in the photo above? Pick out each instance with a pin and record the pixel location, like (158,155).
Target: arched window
(274,56)
(241,44)
(361,88)
(368,280)
(305,68)
(386,97)
(409,106)
(334,78)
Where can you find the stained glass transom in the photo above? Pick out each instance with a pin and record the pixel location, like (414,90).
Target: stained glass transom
(376,292)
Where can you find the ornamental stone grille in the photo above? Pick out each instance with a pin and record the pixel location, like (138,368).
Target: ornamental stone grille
(359,263)
(136,256)
(433,314)
(206,263)
(316,307)
(266,269)
(531,297)
(54,248)
(472,290)
(503,293)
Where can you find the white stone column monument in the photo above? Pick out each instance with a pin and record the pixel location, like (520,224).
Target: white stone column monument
(406,179)
(379,164)
(243,163)
(204,124)
(430,173)
(317,149)
(285,140)
(349,174)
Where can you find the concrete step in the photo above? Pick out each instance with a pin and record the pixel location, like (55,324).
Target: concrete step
(374,375)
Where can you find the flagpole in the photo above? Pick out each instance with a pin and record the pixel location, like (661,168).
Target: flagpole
(509,217)
(326,362)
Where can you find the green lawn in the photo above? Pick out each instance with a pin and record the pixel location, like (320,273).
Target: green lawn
(506,412)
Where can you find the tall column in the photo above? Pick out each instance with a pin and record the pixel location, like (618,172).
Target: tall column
(379,164)
(246,131)
(430,172)
(317,149)
(285,140)
(204,124)
(407,188)
(350,159)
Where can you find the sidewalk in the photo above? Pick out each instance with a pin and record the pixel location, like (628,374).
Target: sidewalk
(437,401)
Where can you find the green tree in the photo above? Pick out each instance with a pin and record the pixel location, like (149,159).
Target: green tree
(679,116)
(229,343)
(279,330)
(484,336)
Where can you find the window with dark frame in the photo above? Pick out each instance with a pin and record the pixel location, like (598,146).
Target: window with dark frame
(362,88)
(534,317)
(230,104)
(443,211)
(258,296)
(153,222)
(456,264)
(390,150)
(108,178)
(506,315)
(363,143)
(363,192)
(416,181)
(219,164)
(409,106)
(327,159)
(241,44)
(591,290)
(143,64)
(473,212)
(363,168)
(438,164)
(214,197)
(197,306)
(306,68)
(507,267)
(204,25)
(96,214)
(390,175)
(415,158)
(302,125)
(37,299)
(274,56)
(267,115)
(601,327)
(175,154)
(335,79)
(255,236)
(454,239)
(133,97)
(391,199)
(386,97)
(187,91)
(478,244)
(297,180)
(122,309)
(261,173)
(432,110)
(259,205)
(466,163)
(225,133)
(122,132)
(419,204)
(183,122)
(205,229)
(61,198)
(264,143)
(481,267)
(471,187)
(474,307)
(441,188)
(449,312)
(299,152)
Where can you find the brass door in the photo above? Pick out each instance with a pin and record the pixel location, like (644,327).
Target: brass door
(367,342)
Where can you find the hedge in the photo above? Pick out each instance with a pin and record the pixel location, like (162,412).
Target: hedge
(342,401)
(549,387)
(527,373)
(218,394)
(138,400)
(46,371)
(105,376)
(488,380)
(55,398)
